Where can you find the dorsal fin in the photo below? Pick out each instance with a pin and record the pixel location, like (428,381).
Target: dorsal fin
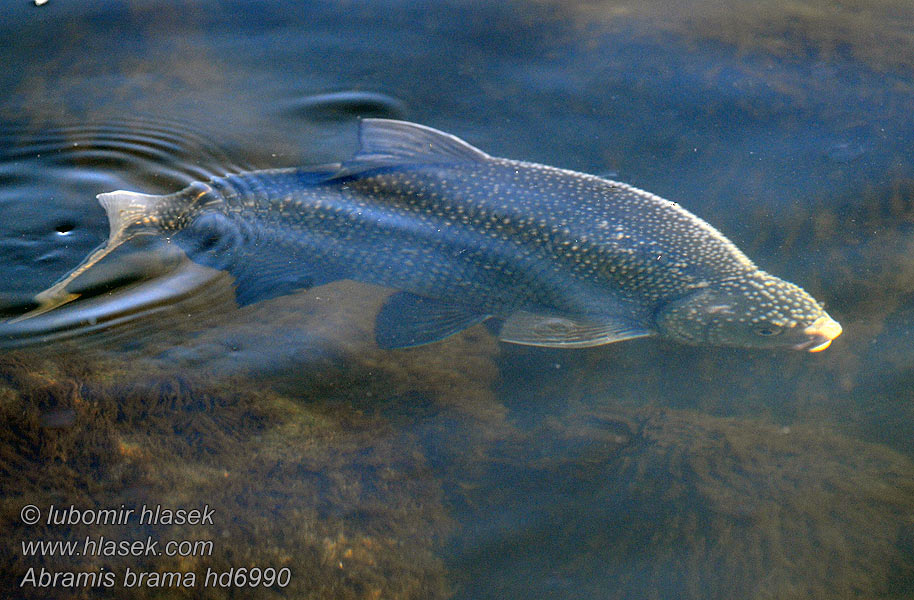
(391,142)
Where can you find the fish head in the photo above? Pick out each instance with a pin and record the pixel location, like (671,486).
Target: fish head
(754,311)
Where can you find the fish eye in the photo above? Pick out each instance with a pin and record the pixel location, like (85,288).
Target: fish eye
(768,330)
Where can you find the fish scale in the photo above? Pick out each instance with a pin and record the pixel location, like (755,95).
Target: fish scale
(562,258)
(431,250)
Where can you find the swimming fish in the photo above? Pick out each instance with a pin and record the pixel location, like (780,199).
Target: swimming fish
(558,258)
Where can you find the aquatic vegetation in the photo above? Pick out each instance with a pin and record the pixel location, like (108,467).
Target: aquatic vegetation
(327,490)
(373,475)
(833,30)
(676,504)
(789,29)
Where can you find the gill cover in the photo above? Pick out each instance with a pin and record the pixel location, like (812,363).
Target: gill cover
(687,319)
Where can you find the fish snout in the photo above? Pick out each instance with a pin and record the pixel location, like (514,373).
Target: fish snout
(821,333)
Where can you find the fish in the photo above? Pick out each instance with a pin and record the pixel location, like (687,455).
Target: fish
(551,257)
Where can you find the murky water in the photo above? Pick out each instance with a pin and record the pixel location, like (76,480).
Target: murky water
(468,468)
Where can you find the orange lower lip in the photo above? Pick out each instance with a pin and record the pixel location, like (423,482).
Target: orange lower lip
(821,347)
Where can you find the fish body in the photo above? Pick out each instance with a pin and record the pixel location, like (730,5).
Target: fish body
(561,258)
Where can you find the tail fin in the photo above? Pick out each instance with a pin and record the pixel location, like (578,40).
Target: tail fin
(127,210)
(129,214)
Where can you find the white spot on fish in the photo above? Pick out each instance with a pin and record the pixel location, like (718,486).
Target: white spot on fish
(720,309)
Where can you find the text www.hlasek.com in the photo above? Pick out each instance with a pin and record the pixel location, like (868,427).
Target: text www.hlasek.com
(101,546)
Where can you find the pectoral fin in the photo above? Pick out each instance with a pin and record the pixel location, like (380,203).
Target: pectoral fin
(262,267)
(268,274)
(408,320)
(258,280)
(555,331)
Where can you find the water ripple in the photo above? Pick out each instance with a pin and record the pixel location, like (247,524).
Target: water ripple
(49,178)
(116,314)
(165,149)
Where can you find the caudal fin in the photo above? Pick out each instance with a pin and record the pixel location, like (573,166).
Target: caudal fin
(129,214)
(128,210)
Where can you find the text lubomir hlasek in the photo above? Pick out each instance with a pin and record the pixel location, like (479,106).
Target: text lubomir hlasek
(146,515)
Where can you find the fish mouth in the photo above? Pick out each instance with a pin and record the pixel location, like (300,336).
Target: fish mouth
(822,332)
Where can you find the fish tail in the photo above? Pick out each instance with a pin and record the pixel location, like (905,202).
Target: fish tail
(129,214)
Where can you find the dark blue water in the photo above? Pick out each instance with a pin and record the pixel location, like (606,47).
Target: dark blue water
(469,468)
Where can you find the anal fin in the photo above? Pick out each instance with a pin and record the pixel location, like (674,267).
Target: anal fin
(557,331)
(408,320)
